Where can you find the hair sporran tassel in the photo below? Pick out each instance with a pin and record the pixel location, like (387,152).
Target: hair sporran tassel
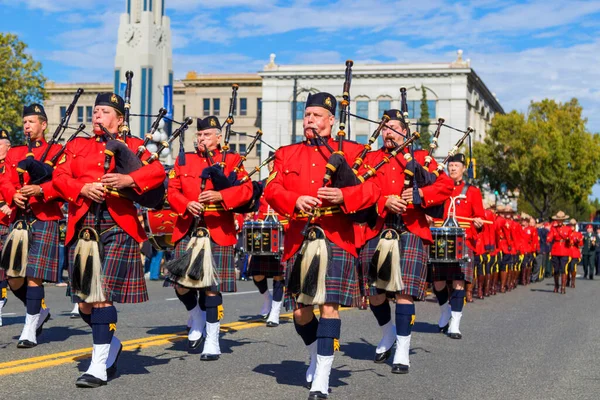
(387,262)
(16,251)
(314,268)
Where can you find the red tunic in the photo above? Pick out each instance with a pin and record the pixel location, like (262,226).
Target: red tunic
(46,207)
(83,162)
(299,170)
(559,236)
(575,241)
(529,239)
(4,219)
(471,207)
(184,186)
(390,178)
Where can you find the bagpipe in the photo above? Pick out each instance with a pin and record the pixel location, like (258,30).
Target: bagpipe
(126,161)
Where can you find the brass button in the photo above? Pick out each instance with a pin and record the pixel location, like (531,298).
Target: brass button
(393,168)
(393,181)
(316,149)
(99,164)
(314,165)
(312,181)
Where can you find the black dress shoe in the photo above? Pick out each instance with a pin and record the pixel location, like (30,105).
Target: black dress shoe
(209,357)
(455,336)
(380,358)
(89,381)
(316,396)
(39,330)
(444,329)
(112,370)
(25,344)
(399,369)
(271,324)
(193,344)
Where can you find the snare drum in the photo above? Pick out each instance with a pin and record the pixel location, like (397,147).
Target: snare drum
(449,245)
(159,225)
(263,238)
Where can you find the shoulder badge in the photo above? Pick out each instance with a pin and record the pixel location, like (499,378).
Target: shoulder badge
(172,174)
(63,159)
(271,177)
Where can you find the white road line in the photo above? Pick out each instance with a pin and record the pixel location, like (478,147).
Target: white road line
(224,294)
(7,314)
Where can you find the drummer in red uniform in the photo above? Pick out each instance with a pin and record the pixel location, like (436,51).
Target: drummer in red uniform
(201,206)
(575,244)
(81,180)
(469,204)
(43,203)
(294,190)
(268,266)
(558,237)
(394,213)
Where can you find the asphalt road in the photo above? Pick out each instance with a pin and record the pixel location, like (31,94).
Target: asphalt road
(528,344)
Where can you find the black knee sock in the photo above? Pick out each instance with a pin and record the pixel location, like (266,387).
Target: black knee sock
(457,300)
(277,290)
(35,295)
(261,285)
(202,300)
(20,293)
(328,332)
(104,324)
(308,332)
(442,295)
(212,308)
(382,312)
(189,299)
(87,318)
(405,314)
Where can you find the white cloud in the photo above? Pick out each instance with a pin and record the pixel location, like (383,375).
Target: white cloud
(62,5)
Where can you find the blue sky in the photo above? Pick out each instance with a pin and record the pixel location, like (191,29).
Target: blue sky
(523,50)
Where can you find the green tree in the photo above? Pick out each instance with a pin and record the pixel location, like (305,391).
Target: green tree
(425,138)
(21,83)
(547,154)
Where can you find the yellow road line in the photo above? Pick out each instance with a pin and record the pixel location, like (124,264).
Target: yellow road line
(66,357)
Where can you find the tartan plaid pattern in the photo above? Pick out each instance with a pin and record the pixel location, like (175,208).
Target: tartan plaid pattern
(122,270)
(460,271)
(3,234)
(224,261)
(269,266)
(341,280)
(42,262)
(413,261)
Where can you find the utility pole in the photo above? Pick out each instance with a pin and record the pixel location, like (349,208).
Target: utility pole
(294,106)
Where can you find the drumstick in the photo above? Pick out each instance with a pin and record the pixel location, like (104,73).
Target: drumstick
(485,221)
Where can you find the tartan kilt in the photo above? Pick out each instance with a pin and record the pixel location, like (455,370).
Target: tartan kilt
(122,270)
(224,257)
(42,262)
(269,266)
(3,234)
(341,281)
(413,265)
(459,271)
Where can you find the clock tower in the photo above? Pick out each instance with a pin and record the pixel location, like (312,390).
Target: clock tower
(144,47)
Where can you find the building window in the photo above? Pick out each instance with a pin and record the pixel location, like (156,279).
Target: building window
(89,110)
(384,105)
(414,109)
(243,106)
(362,109)
(362,139)
(299,109)
(63,112)
(217,107)
(258,122)
(79,114)
(258,148)
(233,147)
(242,148)
(206,107)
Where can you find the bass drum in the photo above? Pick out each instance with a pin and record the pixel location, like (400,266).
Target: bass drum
(159,225)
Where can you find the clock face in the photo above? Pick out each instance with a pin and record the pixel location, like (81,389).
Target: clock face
(132,36)
(159,37)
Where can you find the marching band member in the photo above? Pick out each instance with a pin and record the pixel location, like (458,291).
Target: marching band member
(263,267)
(118,277)
(491,266)
(504,243)
(589,249)
(575,244)
(558,238)
(39,207)
(325,251)
(409,224)
(5,213)
(471,207)
(201,207)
